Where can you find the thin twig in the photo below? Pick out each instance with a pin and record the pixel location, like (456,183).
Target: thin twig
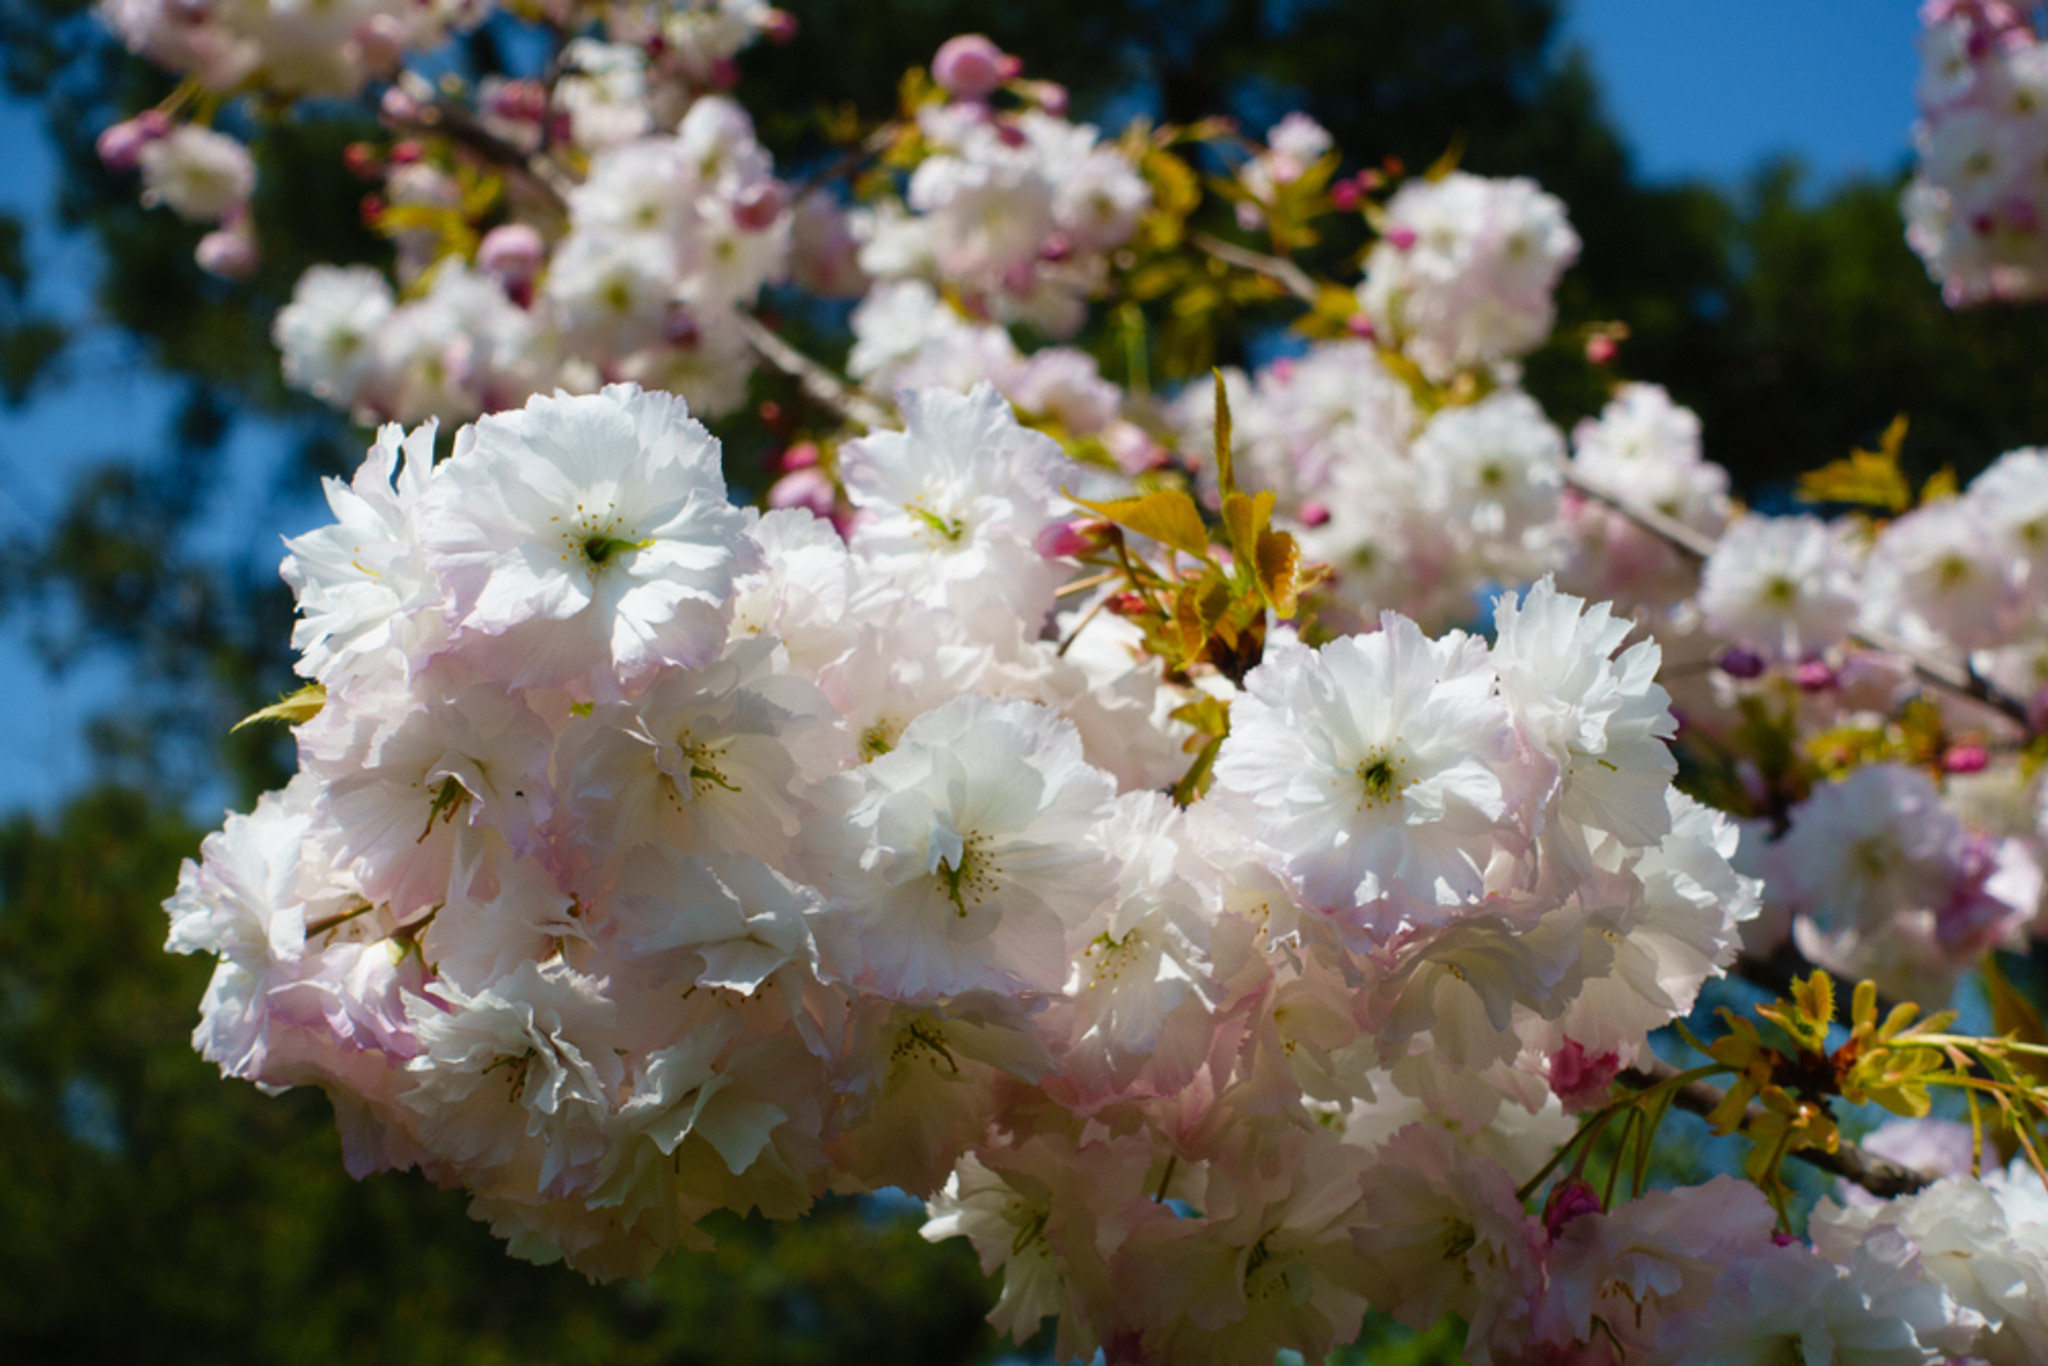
(821,384)
(1880,1176)
(1272,267)
(1959,679)
(457,123)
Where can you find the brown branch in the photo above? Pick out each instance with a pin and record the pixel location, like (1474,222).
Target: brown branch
(818,382)
(1272,267)
(1881,1177)
(1962,680)
(454,121)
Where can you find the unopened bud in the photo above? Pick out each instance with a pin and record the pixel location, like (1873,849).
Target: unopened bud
(228,252)
(770,411)
(120,147)
(804,488)
(1966,759)
(1814,675)
(1051,96)
(512,251)
(970,66)
(1737,662)
(1600,348)
(725,73)
(407,152)
(779,26)
(681,330)
(380,44)
(362,161)
(801,456)
(1314,514)
(399,107)
(1345,196)
(1127,604)
(1569,1199)
(1401,239)
(1360,325)
(760,206)
(1070,540)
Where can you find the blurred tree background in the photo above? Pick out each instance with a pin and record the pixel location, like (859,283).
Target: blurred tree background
(154,1212)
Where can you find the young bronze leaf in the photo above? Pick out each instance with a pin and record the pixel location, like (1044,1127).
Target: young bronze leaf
(1226,478)
(1246,518)
(1278,560)
(1169,517)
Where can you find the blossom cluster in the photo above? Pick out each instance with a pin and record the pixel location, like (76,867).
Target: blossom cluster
(1976,210)
(1217,974)
(649,857)
(665,240)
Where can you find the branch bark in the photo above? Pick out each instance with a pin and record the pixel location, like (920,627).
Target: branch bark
(821,384)
(1880,1176)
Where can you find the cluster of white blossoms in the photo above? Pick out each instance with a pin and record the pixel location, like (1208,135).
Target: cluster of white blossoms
(664,241)
(1977,208)
(649,857)
(1013,211)
(1463,271)
(1217,977)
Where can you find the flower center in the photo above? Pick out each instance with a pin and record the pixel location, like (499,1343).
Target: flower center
(973,880)
(1381,780)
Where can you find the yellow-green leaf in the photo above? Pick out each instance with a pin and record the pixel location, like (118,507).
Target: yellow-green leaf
(299,707)
(2013,1016)
(1448,162)
(1869,479)
(1245,518)
(1168,516)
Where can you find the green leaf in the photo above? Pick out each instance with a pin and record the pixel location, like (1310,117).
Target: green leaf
(296,709)
(1169,517)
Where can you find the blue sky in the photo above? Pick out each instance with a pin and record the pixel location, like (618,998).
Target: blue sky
(1700,88)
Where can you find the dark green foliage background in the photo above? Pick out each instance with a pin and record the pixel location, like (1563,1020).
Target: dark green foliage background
(151,1212)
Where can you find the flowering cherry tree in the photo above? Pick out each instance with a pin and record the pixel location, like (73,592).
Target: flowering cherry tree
(1091,808)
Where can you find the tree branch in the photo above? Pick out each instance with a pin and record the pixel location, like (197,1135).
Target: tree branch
(1881,1177)
(818,382)
(455,122)
(1959,679)
(1272,267)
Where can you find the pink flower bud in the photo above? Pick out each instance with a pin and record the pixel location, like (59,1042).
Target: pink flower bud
(1400,239)
(399,107)
(1360,325)
(362,161)
(228,252)
(725,73)
(407,152)
(1966,759)
(801,456)
(1010,135)
(380,44)
(1345,196)
(1600,348)
(804,488)
(681,330)
(1814,675)
(1314,514)
(512,252)
(969,67)
(120,146)
(1051,95)
(520,101)
(1579,1080)
(1058,247)
(1569,1199)
(1070,540)
(760,205)
(779,27)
